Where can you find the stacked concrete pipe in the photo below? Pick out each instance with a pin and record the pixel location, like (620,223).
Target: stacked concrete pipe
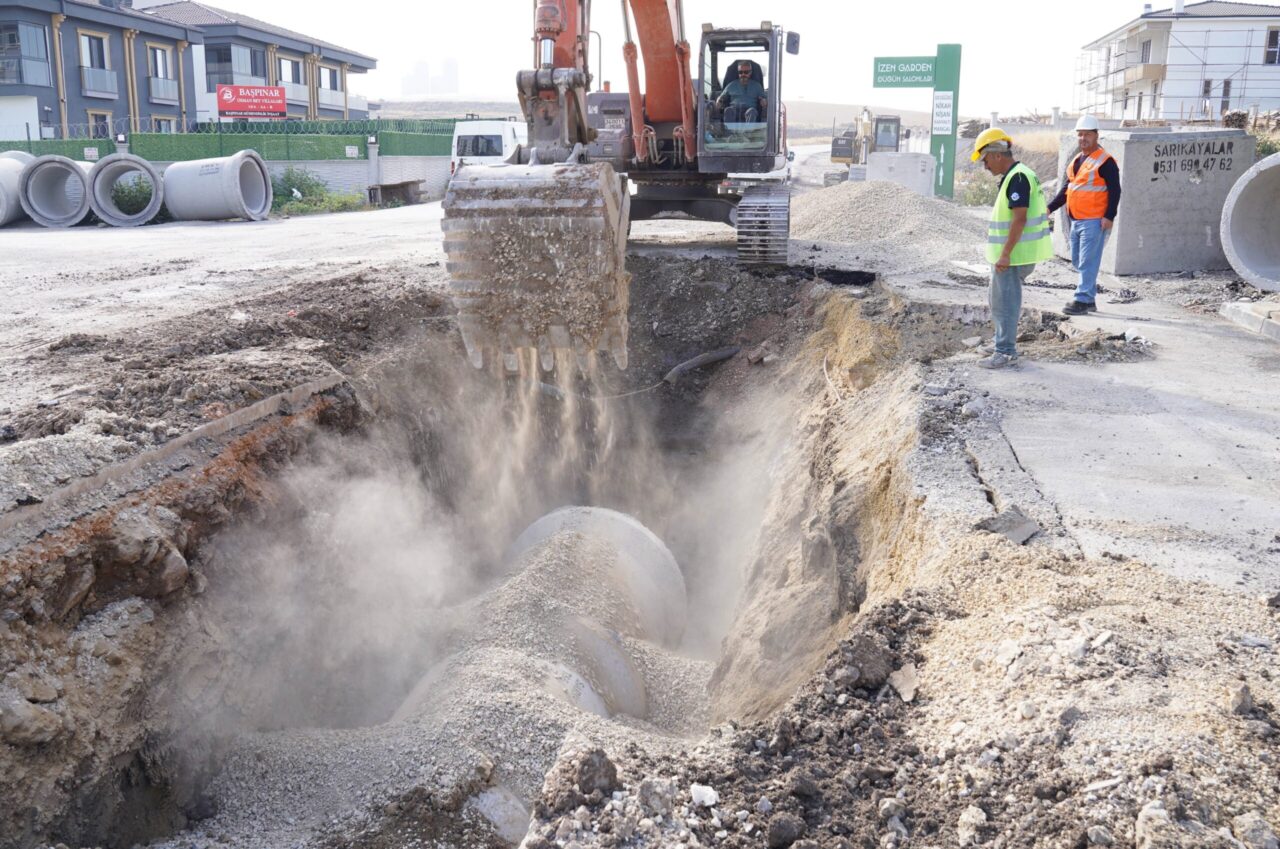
(236,186)
(108,173)
(20,156)
(11,188)
(54,190)
(1251,225)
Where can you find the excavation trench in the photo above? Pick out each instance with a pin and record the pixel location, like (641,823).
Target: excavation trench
(402,626)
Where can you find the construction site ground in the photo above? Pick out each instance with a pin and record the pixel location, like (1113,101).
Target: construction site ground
(251,498)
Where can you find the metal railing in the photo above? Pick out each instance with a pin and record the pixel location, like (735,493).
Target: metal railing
(329,97)
(99,82)
(296,93)
(163,90)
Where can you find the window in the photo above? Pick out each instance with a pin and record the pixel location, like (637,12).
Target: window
(1226,95)
(161,61)
(479,146)
(217,65)
(329,79)
(1272,54)
(258,63)
(1144,52)
(291,71)
(93,51)
(163,125)
(24,55)
(1207,91)
(1139,116)
(248,62)
(100,124)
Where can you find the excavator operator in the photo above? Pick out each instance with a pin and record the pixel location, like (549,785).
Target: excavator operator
(743,99)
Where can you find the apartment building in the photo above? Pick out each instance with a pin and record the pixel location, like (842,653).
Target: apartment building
(1193,61)
(79,68)
(97,68)
(242,50)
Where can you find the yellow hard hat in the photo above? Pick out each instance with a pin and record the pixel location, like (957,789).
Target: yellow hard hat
(992,134)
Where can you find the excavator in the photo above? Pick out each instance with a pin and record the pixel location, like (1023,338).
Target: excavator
(535,247)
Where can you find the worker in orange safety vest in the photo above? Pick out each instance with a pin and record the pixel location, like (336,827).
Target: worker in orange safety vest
(1091,193)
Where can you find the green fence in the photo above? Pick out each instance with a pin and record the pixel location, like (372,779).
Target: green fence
(167,147)
(415,144)
(70,148)
(327,127)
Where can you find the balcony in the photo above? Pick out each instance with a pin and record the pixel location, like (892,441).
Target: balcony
(99,82)
(1139,73)
(332,99)
(357,103)
(163,90)
(296,93)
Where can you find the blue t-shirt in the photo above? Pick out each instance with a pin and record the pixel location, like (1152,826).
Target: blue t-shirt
(746,94)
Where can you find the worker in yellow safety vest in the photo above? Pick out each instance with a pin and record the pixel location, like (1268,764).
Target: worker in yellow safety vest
(1091,193)
(1017,238)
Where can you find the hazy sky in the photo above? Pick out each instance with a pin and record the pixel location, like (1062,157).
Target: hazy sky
(1018,56)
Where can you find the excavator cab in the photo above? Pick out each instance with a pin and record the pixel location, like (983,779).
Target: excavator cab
(741,123)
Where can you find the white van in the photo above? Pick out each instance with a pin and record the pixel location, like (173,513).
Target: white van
(486,142)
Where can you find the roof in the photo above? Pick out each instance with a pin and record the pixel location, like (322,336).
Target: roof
(190,13)
(1218,9)
(74,8)
(1205,9)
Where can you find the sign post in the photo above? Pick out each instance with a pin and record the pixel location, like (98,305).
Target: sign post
(942,74)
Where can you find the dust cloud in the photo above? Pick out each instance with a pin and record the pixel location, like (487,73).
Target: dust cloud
(330,606)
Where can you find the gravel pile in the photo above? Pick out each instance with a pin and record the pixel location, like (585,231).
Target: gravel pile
(885,214)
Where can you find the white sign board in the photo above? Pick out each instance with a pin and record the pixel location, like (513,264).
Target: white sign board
(944,113)
(90,154)
(353,152)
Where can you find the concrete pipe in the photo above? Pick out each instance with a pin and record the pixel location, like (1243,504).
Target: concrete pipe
(55,191)
(108,173)
(1251,227)
(20,156)
(647,572)
(236,186)
(10,191)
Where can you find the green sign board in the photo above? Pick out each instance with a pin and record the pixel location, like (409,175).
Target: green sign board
(946,112)
(942,74)
(904,72)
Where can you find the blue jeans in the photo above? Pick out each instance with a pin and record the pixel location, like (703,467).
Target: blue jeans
(1006,305)
(1087,241)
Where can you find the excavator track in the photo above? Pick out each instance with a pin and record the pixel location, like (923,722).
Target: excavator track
(536,259)
(764,225)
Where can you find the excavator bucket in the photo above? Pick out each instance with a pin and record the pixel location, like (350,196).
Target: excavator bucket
(536,255)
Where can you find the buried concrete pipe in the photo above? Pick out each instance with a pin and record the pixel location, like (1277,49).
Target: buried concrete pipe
(614,581)
(54,190)
(646,571)
(236,186)
(10,190)
(1251,227)
(108,174)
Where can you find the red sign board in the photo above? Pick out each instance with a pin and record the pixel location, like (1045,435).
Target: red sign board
(251,101)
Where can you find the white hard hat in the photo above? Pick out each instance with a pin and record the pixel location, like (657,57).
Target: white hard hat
(1087,122)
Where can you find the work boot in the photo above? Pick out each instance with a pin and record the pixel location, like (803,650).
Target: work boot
(1079,308)
(998,360)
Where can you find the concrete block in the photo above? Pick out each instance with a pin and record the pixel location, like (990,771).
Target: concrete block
(1271,329)
(1242,314)
(1175,184)
(914,171)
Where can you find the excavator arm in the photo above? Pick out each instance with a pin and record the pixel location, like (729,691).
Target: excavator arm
(536,247)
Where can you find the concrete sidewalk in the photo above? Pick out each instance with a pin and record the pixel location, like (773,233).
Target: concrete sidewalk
(1174,459)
